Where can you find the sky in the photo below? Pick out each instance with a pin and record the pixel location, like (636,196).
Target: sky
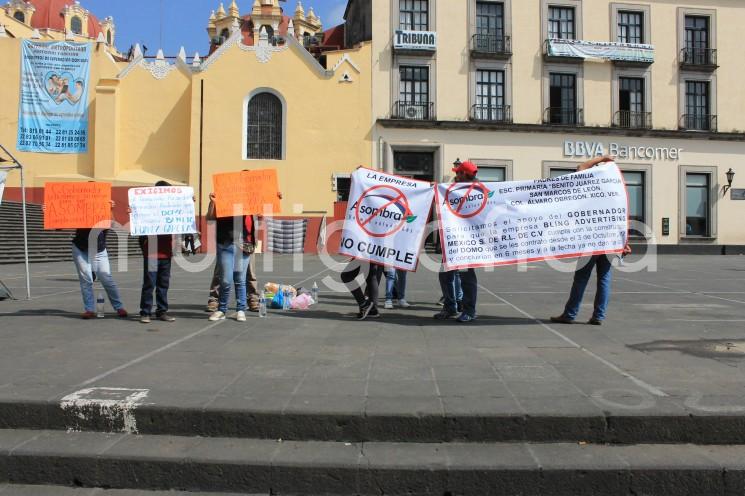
(184,22)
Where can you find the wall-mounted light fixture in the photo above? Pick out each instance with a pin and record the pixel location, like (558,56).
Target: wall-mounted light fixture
(730,176)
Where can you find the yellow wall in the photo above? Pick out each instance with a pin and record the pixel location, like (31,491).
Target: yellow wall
(328,122)
(42,167)
(144,128)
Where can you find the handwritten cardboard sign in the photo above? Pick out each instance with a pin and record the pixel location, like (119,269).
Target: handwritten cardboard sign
(77,205)
(246,192)
(162,210)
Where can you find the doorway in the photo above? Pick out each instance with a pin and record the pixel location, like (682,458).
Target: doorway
(421,166)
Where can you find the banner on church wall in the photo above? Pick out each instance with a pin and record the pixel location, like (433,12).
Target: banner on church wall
(53,109)
(491,224)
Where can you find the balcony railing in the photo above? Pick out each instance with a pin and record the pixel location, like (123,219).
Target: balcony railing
(491,45)
(698,122)
(416,111)
(632,120)
(564,116)
(698,57)
(491,113)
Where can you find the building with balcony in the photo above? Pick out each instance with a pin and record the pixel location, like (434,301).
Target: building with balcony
(528,89)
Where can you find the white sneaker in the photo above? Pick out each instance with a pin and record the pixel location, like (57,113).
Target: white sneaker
(388,305)
(217,315)
(404,304)
(240,316)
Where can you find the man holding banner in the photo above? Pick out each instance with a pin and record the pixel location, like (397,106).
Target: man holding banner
(465,173)
(87,208)
(156,214)
(384,227)
(581,277)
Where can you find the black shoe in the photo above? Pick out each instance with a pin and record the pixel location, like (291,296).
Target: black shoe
(374,314)
(445,314)
(562,319)
(594,321)
(365,309)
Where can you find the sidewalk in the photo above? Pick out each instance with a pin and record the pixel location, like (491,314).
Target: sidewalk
(672,348)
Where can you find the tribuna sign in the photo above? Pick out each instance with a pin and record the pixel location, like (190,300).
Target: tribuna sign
(414,40)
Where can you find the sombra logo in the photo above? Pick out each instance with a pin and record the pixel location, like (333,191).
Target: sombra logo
(382,211)
(467,200)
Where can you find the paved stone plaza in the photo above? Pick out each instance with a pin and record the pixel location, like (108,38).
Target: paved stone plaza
(663,347)
(666,367)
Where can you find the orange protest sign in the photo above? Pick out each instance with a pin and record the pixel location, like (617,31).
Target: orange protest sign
(246,192)
(77,205)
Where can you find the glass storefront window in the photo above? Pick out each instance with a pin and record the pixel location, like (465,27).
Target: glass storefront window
(697,204)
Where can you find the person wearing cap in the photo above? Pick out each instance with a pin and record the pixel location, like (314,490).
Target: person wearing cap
(584,271)
(465,172)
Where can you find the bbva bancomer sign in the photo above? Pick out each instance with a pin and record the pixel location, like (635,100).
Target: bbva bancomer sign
(414,40)
(586,149)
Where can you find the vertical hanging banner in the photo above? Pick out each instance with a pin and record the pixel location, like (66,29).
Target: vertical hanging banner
(386,219)
(3,176)
(162,210)
(53,110)
(490,224)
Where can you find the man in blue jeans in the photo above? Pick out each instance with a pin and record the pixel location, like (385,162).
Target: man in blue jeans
(583,273)
(157,252)
(235,236)
(464,172)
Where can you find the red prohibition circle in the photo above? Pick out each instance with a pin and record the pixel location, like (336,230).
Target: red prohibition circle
(472,214)
(400,225)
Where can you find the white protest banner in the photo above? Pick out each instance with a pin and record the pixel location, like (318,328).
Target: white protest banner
(3,175)
(162,210)
(386,217)
(490,224)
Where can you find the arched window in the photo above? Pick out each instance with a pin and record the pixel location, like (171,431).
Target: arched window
(19,16)
(108,38)
(269,34)
(225,34)
(264,133)
(76,25)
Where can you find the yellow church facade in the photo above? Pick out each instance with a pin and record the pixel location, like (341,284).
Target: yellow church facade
(259,100)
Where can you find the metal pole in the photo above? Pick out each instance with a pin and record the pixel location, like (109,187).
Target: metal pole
(25,235)
(25,222)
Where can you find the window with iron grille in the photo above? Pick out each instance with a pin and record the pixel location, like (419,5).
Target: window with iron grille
(698,111)
(264,127)
(630,27)
(414,15)
(697,32)
(561,23)
(490,19)
(697,40)
(414,84)
(563,98)
(76,25)
(489,95)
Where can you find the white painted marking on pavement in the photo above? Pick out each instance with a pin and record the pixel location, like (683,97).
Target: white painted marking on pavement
(705,294)
(116,405)
(648,387)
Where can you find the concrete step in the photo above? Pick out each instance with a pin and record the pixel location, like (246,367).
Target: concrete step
(31,490)
(125,461)
(337,421)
